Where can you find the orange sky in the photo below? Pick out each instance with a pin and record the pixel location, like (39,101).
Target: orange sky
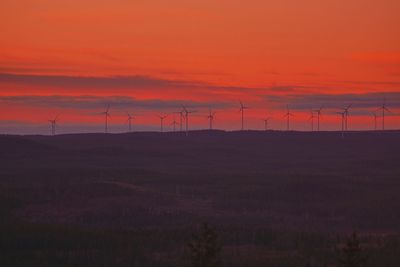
(155,55)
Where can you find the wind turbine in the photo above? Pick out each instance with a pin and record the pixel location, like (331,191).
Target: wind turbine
(181,116)
(211,118)
(266,123)
(186,115)
(346,115)
(318,111)
(53,125)
(242,108)
(375,116)
(174,123)
(383,109)
(287,115)
(129,120)
(161,122)
(312,116)
(106,114)
(343,116)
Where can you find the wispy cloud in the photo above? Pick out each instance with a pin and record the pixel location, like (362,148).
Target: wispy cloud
(90,82)
(362,102)
(90,102)
(299,97)
(133,82)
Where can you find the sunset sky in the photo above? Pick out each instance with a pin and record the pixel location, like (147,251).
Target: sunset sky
(73,57)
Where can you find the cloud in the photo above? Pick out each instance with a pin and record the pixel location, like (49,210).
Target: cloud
(109,83)
(133,82)
(381,58)
(391,83)
(90,81)
(13,69)
(90,102)
(147,82)
(277,97)
(335,101)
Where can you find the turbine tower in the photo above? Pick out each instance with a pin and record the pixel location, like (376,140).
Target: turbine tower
(266,120)
(318,111)
(53,123)
(383,109)
(346,115)
(181,116)
(186,115)
(53,126)
(161,122)
(106,114)
(288,115)
(312,117)
(343,116)
(242,108)
(129,120)
(174,123)
(211,118)
(375,116)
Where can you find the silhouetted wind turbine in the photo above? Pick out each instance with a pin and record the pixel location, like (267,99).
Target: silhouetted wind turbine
(383,109)
(346,115)
(186,115)
(129,120)
(287,115)
(312,116)
(242,108)
(343,116)
(211,118)
(174,123)
(266,123)
(161,122)
(318,111)
(53,125)
(375,116)
(106,114)
(181,116)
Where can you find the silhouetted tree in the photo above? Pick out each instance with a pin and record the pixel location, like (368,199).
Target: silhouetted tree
(351,253)
(205,248)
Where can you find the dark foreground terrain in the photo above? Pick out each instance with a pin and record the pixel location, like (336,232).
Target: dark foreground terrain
(274,198)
